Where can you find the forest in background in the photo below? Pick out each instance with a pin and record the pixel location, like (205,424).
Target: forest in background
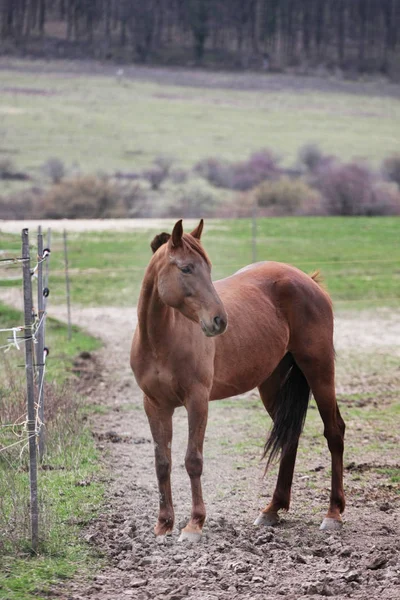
(349,35)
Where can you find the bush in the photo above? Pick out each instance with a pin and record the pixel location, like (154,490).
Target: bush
(310,156)
(194,202)
(352,189)
(240,176)
(217,172)
(287,196)
(159,172)
(21,205)
(261,166)
(391,168)
(7,168)
(179,176)
(54,169)
(90,198)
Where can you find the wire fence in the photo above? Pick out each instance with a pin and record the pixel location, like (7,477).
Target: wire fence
(29,428)
(68,267)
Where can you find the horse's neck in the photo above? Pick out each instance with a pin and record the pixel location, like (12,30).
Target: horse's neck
(153,315)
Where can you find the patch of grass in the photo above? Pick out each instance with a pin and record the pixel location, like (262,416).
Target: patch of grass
(62,350)
(8,283)
(393,473)
(358,257)
(70,484)
(96,409)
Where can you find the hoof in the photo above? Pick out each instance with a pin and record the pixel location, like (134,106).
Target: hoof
(161,539)
(329,524)
(267,520)
(193,537)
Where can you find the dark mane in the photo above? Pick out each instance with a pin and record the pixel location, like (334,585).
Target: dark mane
(159,240)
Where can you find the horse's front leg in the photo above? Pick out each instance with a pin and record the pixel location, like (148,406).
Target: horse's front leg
(197,408)
(160,420)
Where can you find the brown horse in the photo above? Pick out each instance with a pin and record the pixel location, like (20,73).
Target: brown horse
(279,339)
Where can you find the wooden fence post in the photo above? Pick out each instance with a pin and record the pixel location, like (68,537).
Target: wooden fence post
(67,283)
(40,344)
(34,512)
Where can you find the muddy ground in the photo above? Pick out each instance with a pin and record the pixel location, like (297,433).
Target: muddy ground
(234,559)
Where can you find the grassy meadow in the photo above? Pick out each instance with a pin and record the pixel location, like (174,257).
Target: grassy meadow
(95,122)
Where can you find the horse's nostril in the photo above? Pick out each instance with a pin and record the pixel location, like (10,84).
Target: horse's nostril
(219,324)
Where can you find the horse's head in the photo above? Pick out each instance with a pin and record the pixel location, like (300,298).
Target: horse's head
(184,278)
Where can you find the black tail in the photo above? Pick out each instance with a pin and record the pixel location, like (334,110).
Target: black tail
(289,410)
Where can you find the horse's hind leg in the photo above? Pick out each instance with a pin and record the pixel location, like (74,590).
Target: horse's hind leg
(269,392)
(320,373)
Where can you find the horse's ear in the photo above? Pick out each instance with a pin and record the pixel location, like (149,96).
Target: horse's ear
(159,240)
(196,233)
(177,233)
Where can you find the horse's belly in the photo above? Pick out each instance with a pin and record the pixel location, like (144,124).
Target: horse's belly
(243,361)
(227,384)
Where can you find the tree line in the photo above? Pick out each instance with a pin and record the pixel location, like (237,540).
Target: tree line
(356,34)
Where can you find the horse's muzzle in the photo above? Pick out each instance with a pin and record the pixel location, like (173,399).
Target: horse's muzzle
(215,327)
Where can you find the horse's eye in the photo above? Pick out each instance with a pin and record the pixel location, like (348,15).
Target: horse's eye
(186,269)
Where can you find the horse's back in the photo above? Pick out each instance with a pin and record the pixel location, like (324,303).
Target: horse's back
(279,284)
(272,308)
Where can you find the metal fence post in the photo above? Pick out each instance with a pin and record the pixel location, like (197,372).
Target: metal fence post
(40,344)
(254,233)
(67,283)
(47,266)
(34,511)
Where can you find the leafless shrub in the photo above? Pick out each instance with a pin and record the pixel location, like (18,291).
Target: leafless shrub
(21,205)
(261,166)
(155,177)
(159,172)
(91,198)
(391,168)
(9,171)
(242,175)
(240,206)
(54,169)
(194,202)
(352,189)
(218,172)
(7,168)
(286,196)
(178,176)
(310,156)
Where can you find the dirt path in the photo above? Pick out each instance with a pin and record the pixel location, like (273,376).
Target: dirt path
(235,559)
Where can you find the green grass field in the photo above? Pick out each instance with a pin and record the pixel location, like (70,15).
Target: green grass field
(358,257)
(94,123)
